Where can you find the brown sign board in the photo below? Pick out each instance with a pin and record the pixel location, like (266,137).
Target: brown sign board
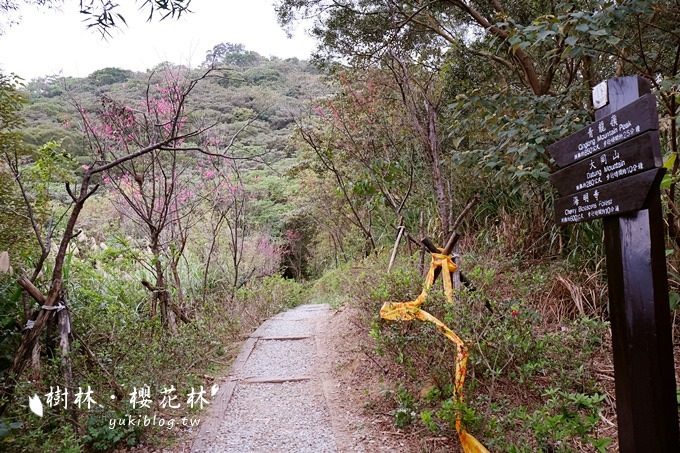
(625,123)
(615,198)
(628,158)
(605,173)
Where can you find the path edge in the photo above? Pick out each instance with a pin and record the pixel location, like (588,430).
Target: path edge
(224,395)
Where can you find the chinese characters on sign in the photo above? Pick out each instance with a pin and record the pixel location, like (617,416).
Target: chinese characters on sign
(632,120)
(633,156)
(608,167)
(619,197)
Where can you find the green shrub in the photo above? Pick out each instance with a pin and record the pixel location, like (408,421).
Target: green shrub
(513,351)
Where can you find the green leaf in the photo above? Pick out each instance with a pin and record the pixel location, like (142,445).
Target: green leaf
(613,40)
(666,181)
(674,299)
(571,40)
(544,34)
(670,161)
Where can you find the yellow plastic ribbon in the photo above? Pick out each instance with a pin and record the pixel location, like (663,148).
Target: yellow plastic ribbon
(407,311)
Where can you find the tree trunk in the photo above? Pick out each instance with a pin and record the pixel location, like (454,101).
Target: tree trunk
(27,348)
(177,281)
(35,362)
(161,295)
(64,322)
(216,227)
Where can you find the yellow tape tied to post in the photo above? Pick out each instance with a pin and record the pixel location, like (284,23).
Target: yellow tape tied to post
(407,311)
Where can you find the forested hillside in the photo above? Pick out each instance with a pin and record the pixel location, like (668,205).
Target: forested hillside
(166,256)
(172,211)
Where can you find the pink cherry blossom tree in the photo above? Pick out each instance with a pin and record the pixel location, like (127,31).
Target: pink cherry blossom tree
(125,142)
(156,191)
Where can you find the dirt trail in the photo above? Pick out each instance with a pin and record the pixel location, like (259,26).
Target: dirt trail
(301,383)
(274,397)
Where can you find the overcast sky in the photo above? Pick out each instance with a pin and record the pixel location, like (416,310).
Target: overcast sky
(49,42)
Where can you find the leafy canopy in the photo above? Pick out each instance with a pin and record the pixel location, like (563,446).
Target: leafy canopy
(104,15)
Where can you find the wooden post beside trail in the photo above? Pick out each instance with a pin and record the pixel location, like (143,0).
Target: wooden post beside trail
(612,170)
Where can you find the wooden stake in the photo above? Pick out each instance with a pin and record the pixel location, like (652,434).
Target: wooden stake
(451,243)
(396,246)
(646,402)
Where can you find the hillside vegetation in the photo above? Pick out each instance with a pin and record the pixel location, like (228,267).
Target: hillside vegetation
(174,257)
(181,207)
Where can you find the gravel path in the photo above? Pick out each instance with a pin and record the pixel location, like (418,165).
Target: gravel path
(274,399)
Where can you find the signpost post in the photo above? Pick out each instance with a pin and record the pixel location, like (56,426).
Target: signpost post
(612,169)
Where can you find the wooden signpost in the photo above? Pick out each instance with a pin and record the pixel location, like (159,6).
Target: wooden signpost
(611,169)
